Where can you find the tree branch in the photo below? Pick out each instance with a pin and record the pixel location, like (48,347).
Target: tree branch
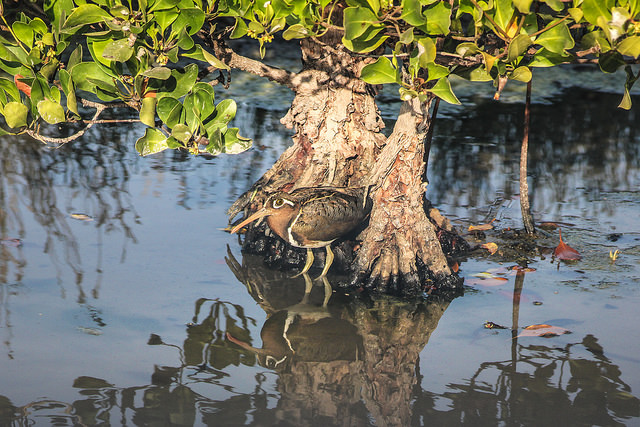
(85,103)
(242,63)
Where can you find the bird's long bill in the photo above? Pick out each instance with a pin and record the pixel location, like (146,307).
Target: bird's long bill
(259,214)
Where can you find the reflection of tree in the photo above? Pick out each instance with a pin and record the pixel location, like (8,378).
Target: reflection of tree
(571,385)
(96,175)
(353,362)
(572,144)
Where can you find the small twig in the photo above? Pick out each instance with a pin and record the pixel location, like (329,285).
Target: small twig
(525,208)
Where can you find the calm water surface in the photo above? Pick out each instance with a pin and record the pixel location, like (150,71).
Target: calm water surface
(148,314)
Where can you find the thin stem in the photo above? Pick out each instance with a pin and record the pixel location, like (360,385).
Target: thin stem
(525,208)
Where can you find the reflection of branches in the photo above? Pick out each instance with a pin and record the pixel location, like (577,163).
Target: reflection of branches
(575,384)
(30,178)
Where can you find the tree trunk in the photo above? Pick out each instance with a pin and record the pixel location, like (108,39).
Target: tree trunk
(338,142)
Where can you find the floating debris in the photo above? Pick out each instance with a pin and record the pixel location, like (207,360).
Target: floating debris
(81,217)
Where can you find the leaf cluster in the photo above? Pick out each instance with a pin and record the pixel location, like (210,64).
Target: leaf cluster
(133,53)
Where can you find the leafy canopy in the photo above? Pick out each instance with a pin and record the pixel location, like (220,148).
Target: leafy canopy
(157,56)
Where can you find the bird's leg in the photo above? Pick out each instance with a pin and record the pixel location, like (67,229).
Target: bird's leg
(328,291)
(327,262)
(308,264)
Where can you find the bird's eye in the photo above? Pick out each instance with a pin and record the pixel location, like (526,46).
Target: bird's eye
(278,203)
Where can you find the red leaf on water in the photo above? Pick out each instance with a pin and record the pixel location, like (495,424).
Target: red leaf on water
(564,251)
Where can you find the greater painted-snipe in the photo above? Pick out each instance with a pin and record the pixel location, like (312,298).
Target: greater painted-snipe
(312,218)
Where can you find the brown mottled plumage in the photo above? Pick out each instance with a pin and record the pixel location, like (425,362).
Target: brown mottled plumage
(313,217)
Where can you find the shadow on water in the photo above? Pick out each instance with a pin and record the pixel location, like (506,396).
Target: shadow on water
(266,354)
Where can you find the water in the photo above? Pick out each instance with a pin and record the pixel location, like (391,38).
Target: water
(148,314)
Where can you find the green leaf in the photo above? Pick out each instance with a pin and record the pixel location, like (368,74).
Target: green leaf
(442,90)
(426,51)
(521,74)
(631,79)
(192,19)
(181,133)
(467,49)
(118,50)
(435,71)
(15,114)
(296,31)
(630,46)
(364,46)
(51,112)
(148,111)
(165,18)
(576,13)
(556,39)
(504,10)
(23,32)
(611,61)
(555,5)
(84,15)
(225,111)
(86,74)
(10,88)
(169,110)
(412,13)
(69,90)
(439,18)
(160,73)
(524,6)
(545,58)
(180,83)
(153,141)
(234,143)
(593,9)
(518,46)
(202,55)
(239,30)
(380,72)
(356,21)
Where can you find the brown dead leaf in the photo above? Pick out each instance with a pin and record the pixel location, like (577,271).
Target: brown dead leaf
(491,247)
(523,269)
(543,330)
(455,267)
(564,251)
(482,227)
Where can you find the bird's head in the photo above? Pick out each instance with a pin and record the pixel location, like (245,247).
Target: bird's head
(279,207)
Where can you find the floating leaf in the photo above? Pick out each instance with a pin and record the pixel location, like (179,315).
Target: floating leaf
(81,217)
(491,247)
(13,243)
(482,227)
(543,330)
(523,269)
(564,251)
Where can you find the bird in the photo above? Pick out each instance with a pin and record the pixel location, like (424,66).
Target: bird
(313,217)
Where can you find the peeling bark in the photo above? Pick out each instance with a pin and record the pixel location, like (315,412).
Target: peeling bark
(338,142)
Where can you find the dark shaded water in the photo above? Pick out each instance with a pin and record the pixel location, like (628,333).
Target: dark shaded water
(146,315)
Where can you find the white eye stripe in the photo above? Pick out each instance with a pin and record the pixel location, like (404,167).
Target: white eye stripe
(279,202)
